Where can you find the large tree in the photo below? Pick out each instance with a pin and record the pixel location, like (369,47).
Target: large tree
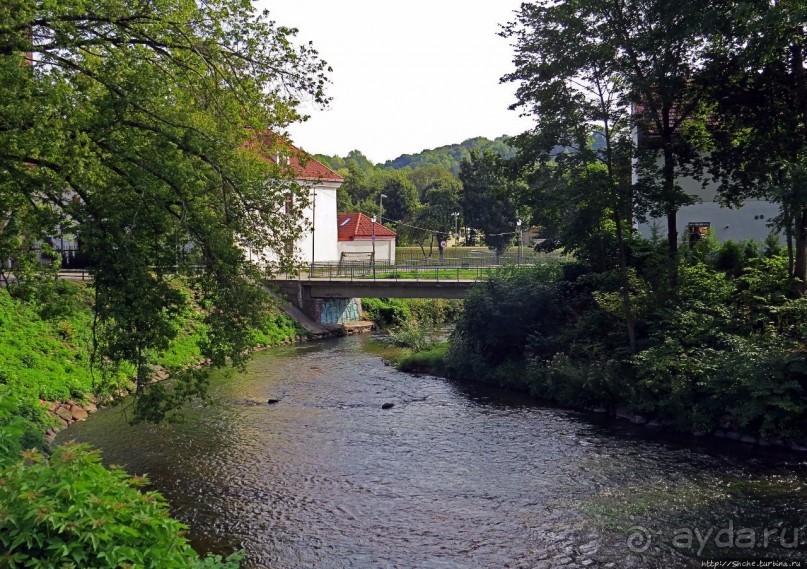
(490,198)
(656,50)
(759,123)
(578,98)
(436,218)
(133,126)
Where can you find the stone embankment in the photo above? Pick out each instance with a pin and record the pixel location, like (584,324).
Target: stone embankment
(726,430)
(66,413)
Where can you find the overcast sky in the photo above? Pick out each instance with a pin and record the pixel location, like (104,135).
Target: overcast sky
(406,75)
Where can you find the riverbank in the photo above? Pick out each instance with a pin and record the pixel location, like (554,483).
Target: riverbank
(46,341)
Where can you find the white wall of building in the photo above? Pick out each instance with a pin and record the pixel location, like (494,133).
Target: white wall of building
(751,221)
(384,248)
(319,240)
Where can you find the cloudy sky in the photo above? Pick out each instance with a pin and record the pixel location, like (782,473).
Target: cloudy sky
(406,75)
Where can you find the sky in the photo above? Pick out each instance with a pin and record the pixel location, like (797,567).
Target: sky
(407,76)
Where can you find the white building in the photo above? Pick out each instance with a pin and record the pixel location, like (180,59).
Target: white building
(318,217)
(319,243)
(363,239)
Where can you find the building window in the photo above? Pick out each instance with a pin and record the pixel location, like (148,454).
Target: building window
(697,231)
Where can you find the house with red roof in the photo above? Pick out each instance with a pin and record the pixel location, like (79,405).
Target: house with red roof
(362,238)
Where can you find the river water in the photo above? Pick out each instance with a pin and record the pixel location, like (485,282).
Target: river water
(453,476)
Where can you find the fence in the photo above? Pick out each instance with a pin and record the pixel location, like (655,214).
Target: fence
(474,256)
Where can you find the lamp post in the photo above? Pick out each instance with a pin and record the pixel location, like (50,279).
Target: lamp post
(381,220)
(520,240)
(381,207)
(456,216)
(313,229)
(373,240)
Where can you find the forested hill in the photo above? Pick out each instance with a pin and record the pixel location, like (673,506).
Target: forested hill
(449,156)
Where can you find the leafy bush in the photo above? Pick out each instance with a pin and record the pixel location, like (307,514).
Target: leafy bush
(727,344)
(386,311)
(390,312)
(67,510)
(417,336)
(431,360)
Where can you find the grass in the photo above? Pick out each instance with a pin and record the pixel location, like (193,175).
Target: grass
(430,360)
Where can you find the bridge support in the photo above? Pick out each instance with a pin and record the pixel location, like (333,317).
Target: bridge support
(330,310)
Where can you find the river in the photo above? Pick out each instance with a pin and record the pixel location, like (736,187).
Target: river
(453,476)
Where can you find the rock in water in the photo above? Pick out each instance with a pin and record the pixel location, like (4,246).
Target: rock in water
(388,405)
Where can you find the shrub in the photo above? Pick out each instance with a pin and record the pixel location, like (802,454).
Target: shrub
(386,311)
(431,360)
(67,510)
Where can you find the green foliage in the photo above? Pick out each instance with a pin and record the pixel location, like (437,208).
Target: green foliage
(392,312)
(489,198)
(139,132)
(728,346)
(416,335)
(67,510)
(431,360)
(386,311)
(450,157)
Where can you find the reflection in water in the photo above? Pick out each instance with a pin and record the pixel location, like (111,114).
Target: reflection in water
(451,477)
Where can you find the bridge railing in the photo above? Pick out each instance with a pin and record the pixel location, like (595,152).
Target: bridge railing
(358,270)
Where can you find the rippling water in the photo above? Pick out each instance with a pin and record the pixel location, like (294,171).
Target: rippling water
(451,477)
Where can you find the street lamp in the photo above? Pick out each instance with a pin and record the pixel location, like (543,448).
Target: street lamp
(373,240)
(456,216)
(520,239)
(381,207)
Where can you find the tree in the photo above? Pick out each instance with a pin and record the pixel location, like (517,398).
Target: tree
(576,96)
(401,201)
(656,50)
(759,121)
(489,198)
(133,126)
(435,220)
(427,177)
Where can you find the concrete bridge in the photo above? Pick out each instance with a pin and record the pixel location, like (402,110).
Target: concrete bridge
(357,288)
(334,301)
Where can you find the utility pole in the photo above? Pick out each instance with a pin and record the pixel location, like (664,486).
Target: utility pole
(456,216)
(381,219)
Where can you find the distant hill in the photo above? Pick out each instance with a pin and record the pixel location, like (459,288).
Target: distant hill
(449,156)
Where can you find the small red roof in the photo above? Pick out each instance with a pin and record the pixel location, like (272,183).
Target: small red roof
(304,166)
(359,226)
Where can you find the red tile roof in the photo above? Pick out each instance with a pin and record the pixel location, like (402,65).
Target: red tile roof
(359,226)
(304,166)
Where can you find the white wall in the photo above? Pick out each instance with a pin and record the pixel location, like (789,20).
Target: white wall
(747,222)
(325,233)
(384,248)
(734,224)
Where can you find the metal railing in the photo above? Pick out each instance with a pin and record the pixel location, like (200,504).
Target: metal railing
(414,271)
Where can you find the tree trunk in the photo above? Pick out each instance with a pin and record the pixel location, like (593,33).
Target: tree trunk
(788,220)
(800,268)
(669,191)
(627,305)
